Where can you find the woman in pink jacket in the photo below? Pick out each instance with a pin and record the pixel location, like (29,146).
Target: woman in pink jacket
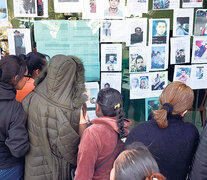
(101,142)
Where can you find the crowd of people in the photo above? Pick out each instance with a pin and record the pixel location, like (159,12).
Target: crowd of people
(45,133)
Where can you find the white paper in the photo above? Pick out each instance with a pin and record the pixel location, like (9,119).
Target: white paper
(25,8)
(91,115)
(68,6)
(201,23)
(3,13)
(136,7)
(165,4)
(113,31)
(92,9)
(114,9)
(192,3)
(112,80)
(90,94)
(159,57)
(183,22)
(147,85)
(194,76)
(111,57)
(138,59)
(159,31)
(19,41)
(199,54)
(180,50)
(137,31)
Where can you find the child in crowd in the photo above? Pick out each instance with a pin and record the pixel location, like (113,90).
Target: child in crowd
(135,163)
(36,62)
(101,142)
(170,140)
(14,142)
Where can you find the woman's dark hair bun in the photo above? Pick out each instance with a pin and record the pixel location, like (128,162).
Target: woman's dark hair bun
(23,57)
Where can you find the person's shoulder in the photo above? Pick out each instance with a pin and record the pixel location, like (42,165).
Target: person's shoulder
(191,127)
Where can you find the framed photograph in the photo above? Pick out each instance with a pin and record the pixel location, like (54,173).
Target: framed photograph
(201,22)
(159,31)
(151,104)
(3,13)
(199,49)
(19,41)
(111,57)
(180,50)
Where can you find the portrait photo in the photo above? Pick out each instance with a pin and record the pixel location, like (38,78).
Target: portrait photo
(180,56)
(111,59)
(182,26)
(151,104)
(144,82)
(137,36)
(158,55)
(106,29)
(183,74)
(199,72)
(134,83)
(158,81)
(201,22)
(137,63)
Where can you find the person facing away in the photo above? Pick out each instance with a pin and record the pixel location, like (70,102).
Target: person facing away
(14,142)
(53,119)
(36,62)
(101,142)
(170,140)
(135,163)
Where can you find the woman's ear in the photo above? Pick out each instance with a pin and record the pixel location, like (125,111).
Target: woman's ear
(35,72)
(98,110)
(14,80)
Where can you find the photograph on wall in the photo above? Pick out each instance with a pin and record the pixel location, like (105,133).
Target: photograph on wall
(90,94)
(180,50)
(137,31)
(111,80)
(159,31)
(113,31)
(151,104)
(19,41)
(91,115)
(4,41)
(25,8)
(138,59)
(111,57)
(165,4)
(114,9)
(136,7)
(182,73)
(199,54)
(158,81)
(3,13)
(192,3)
(42,8)
(159,58)
(200,23)
(68,6)
(183,22)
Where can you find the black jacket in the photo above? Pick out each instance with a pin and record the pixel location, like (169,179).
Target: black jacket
(14,141)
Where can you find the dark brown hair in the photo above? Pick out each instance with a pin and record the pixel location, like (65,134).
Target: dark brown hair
(179,95)
(11,66)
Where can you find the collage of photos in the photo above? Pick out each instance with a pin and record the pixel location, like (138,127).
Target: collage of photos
(19,41)
(180,50)
(151,104)
(90,94)
(159,31)
(199,54)
(138,59)
(183,22)
(201,22)
(159,58)
(147,84)
(194,76)
(3,13)
(111,80)
(30,8)
(111,57)
(137,28)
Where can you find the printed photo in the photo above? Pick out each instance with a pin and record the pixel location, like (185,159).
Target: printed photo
(158,57)
(137,37)
(201,22)
(159,32)
(182,26)
(134,84)
(111,59)
(114,8)
(3,13)
(91,93)
(137,63)
(106,29)
(144,82)
(199,72)
(200,50)
(151,104)
(158,82)
(180,56)
(161,4)
(183,74)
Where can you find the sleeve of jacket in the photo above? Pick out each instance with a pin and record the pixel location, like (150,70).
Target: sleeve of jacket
(17,140)
(87,156)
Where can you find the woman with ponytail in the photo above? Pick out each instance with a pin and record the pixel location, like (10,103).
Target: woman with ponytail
(101,142)
(36,63)
(170,140)
(135,163)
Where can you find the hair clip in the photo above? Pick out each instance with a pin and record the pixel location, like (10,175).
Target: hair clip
(117,106)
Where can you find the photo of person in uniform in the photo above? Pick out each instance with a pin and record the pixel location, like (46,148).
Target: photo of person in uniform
(18,42)
(137,37)
(113,9)
(159,32)
(180,56)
